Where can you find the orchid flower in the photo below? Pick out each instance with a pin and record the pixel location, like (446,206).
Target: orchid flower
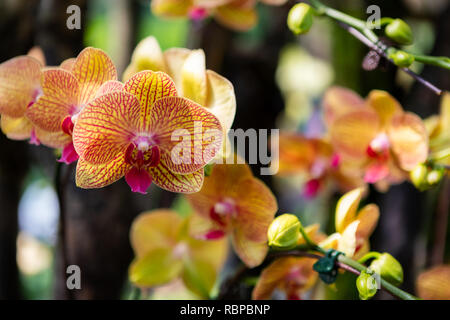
(164,252)
(233,202)
(188,70)
(434,284)
(240,15)
(376,134)
(64,93)
(135,133)
(438,127)
(292,275)
(353,226)
(20,88)
(316,161)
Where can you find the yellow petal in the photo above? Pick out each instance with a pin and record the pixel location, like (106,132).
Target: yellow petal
(252,253)
(346,208)
(171,8)
(154,229)
(434,284)
(368,217)
(409,140)
(338,101)
(90,176)
(16,128)
(348,241)
(385,105)
(148,56)
(193,77)
(214,251)
(199,276)
(221,99)
(237,17)
(175,59)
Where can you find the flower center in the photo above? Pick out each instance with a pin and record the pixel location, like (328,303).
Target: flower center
(223,211)
(379,146)
(37,93)
(142,153)
(181,250)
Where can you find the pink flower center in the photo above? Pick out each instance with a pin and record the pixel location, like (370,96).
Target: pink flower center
(142,154)
(223,211)
(67,125)
(379,146)
(198,13)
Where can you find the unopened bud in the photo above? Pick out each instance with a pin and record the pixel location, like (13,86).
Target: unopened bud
(388,268)
(399,31)
(418,176)
(367,285)
(284,231)
(402,59)
(435,176)
(300,18)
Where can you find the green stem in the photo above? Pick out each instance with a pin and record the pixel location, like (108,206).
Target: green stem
(442,62)
(368,256)
(385,284)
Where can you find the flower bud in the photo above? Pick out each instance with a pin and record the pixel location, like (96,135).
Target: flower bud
(367,285)
(399,31)
(418,176)
(388,268)
(402,59)
(435,176)
(284,231)
(300,18)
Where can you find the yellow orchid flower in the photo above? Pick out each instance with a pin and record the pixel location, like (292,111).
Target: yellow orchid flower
(188,70)
(292,275)
(315,159)
(130,133)
(20,88)
(377,135)
(438,127)
(234,202)
(434,284)
(64,93)
(238,15)
(353,226)
(164,251)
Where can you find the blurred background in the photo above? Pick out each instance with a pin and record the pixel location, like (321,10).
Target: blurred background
(279,81)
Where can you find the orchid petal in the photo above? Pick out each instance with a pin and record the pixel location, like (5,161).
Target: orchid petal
(237,17)
(199,276)
(68,64)
(59,100)
(348,241)
(68,154)
(89,176)
(106,126)
(252,253)
(385,105)
(434,284)
(92,68)
(338,101)
(181,183)
(148,56)
(20,85)
(213,250)
(368,217)
(138,179)
(37,53)
(173,118)
(409,140)
(149,87)
(352,133)
(108,87)
(171,8)
(56,140)
(193,77)
(175,59)
(346,208)
(376,172)
(16,128)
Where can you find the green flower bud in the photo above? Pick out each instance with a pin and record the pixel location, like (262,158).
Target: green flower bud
(399,31)
(418,176)
(300,18)
(284,231)
(435,176)
(367,285)
(401,58)
(388,268)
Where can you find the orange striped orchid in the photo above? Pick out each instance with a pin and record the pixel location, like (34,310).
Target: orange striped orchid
(234,202)
(315,160)
(64,93)
(165,252)
(188,70)
(353,226)
(20,88)
(376,134)
(240,15)
(135,133)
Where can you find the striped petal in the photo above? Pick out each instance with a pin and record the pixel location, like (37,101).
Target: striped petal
(106,126)
(409,140)
(108,87)
(20,85)
(352,133)
(338,101)
(385,105)
(193,77)
(174,118)
(59,100)
(252,253)
(92,68)
(171,8)
(181,183)
(89,176)
(67,64)
(221,99)
(237,15)
(56,140)
(148,87)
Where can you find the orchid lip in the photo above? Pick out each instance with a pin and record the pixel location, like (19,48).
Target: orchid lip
(142,154)
(223,211)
